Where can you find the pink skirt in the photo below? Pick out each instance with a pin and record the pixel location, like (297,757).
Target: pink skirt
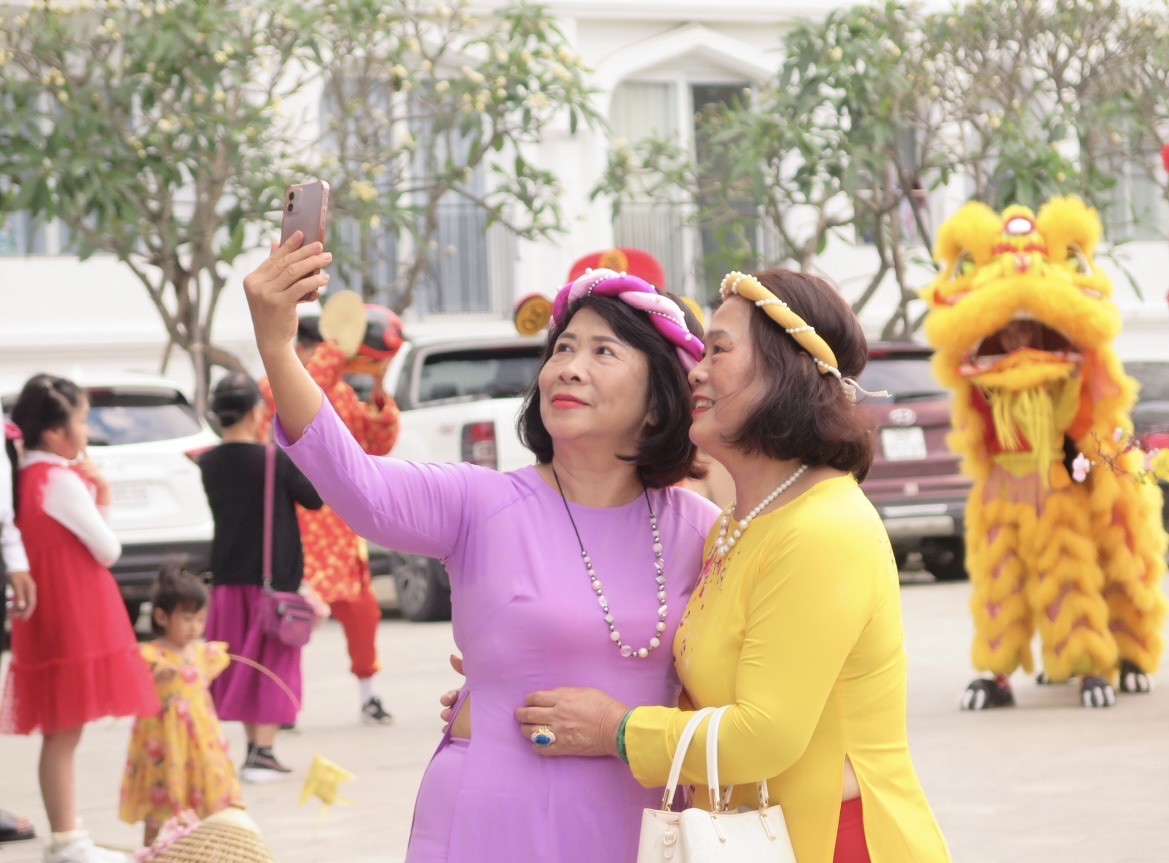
(241,693)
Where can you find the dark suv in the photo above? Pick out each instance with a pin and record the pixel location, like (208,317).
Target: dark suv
(914,483)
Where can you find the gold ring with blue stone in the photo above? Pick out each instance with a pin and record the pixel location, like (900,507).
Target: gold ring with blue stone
(543,736)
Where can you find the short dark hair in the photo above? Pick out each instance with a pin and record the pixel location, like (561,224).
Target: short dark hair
(176,588)
(665,455)
(806,415)
(308,331)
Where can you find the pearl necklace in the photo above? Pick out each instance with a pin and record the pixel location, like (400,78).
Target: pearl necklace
(615,636)
(722,545)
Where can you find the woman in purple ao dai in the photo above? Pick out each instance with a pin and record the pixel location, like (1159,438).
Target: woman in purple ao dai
(570,572)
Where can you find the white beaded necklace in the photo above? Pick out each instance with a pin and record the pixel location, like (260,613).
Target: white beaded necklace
(660,577)
(723,545)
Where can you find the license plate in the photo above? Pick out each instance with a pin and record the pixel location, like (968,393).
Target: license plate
(129,494)
(906,444)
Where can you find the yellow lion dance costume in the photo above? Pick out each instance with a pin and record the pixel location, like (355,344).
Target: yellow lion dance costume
(1023,324)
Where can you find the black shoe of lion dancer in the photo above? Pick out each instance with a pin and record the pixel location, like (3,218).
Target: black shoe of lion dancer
(988,692)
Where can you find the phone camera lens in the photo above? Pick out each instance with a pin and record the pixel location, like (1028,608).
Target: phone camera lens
(290,207)
(291,195)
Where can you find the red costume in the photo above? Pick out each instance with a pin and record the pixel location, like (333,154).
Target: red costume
(336,562)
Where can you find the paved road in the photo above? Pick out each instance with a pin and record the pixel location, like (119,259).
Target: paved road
(1048,782)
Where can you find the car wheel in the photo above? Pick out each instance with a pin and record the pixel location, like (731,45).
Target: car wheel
(422,591)
(944,559)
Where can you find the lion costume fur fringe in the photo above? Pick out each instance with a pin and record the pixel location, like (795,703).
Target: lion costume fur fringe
(1023,324)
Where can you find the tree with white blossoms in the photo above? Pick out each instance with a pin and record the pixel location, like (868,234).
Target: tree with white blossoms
(876,105)
(426,106)
(149,130)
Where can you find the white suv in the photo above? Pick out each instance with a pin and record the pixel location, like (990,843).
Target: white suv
(144,436)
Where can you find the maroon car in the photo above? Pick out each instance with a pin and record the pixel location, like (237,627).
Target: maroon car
(914,483)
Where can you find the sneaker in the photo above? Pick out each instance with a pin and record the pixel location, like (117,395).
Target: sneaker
(262,766)
(82,850)
(373,712)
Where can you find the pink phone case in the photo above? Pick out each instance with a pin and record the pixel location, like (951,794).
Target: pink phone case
(306,206)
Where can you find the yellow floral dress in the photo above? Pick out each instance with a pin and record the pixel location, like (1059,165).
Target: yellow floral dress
(178,758)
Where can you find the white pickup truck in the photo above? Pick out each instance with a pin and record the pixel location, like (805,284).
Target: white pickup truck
(459,398)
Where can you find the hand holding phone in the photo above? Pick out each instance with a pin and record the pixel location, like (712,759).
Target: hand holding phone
(305,209)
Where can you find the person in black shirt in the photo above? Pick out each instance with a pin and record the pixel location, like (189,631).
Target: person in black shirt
(233,478)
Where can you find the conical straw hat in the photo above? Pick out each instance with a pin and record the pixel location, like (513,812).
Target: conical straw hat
(228,836)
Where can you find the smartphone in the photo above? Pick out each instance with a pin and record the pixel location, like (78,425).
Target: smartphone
(305,208)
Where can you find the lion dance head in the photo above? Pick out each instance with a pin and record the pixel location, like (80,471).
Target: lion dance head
(1023,320)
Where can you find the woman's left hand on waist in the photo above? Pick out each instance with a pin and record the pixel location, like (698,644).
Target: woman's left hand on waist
(571,720)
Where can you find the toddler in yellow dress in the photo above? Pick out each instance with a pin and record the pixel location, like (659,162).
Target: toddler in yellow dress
(178,758)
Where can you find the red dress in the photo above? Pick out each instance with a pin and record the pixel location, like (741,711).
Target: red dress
(76,659)
(336,563)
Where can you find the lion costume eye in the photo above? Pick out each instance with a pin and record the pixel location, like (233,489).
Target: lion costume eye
(1077,261)
(963,265)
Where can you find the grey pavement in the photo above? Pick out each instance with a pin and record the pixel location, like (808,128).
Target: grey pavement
(1048,781)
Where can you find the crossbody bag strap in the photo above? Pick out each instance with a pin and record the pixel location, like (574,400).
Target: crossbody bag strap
(718,801)
(269,494)
(680,754)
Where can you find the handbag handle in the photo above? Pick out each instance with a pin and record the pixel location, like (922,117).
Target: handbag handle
(718,800)
(269,494)
(680,755)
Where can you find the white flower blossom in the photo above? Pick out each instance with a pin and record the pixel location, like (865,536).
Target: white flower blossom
(1080,467)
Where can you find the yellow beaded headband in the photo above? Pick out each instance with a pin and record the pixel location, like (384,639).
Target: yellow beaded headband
(750,288)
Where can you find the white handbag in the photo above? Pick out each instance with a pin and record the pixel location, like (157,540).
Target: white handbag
(698,836)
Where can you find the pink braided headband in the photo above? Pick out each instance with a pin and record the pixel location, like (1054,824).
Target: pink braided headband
(666,315)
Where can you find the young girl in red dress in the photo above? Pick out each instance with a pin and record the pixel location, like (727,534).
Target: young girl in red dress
(76,659)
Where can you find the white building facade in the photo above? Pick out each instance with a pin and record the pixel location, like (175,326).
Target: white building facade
(654,62)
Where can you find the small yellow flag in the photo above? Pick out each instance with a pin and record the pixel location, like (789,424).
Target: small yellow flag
(322,782)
